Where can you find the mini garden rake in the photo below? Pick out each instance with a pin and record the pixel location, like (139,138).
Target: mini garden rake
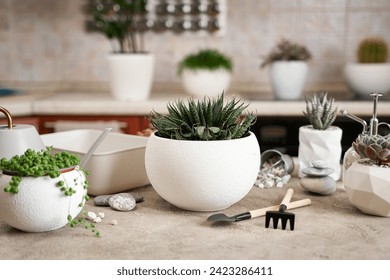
(281,214)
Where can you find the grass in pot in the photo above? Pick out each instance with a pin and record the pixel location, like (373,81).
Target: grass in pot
(206,72)
(203,156)
(43,192)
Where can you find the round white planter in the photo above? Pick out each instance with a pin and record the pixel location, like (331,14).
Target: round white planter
(320,145)
(131,75)
(202,175)
(205,82)
(288,79)
(368,188)
(364,78)
(40,205)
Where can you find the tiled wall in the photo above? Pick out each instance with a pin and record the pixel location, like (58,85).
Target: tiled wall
(45,40)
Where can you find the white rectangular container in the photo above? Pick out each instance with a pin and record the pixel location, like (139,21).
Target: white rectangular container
(117,165)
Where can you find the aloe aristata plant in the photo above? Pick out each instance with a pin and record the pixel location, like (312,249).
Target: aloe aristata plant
(373,147)
(206,119)
(320,111)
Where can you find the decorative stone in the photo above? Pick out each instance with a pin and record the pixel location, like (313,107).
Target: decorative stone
(101,215)
(317,172)
(91,216)
(320,164)
(122,202)
(97,220)
(102,200)
(321,185)
(114,222)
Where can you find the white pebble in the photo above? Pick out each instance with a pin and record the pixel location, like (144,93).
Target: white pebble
(97,220)
(279,185)
(91,216)
(269,183)
(114,222)
(101,215)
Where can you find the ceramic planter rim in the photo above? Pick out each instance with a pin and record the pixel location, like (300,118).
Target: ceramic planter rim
(199,141)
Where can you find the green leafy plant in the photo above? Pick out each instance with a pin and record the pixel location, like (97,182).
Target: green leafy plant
(286,50)
(373,147)
(120,20)
(208,59)
(43,163)
(320,111)
(206,119)
(372,50)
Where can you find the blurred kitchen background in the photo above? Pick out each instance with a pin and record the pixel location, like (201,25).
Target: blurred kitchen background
(44,43)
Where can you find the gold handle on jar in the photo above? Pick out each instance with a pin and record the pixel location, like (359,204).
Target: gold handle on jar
(8,115)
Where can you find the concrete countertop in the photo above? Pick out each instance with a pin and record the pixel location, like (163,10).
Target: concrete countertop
(99,103)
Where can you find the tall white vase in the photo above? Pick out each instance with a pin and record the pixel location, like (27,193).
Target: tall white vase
(288,79)
(131,75)
(320,145)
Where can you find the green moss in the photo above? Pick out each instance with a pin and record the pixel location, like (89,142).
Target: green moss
(205,59)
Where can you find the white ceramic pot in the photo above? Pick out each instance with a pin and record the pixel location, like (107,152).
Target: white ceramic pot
(205,82)
(320,145)
(131,75)
(368,188)
(364,78)
(288,79)
(202,175)
(40,205)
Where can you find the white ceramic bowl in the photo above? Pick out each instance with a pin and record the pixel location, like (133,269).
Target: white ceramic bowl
(364,78)
(202,83)
(117,165)
(40,205)
(202,175)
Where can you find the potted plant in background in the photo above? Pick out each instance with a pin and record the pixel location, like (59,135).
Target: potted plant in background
(206,72)
(372,71)
(123,23)
(288,69)
(203,156)
(320,141)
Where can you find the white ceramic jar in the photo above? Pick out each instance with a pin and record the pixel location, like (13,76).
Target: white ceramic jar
(40,205)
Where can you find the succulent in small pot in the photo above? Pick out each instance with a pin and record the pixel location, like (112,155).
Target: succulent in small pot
(206,72)
(288,69)
(320,140)
(371,72)
(43,192)
(203,156)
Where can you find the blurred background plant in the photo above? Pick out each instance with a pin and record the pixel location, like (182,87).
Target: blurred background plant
(372,50)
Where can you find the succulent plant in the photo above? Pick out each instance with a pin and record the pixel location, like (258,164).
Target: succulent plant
(372,50)
(206,119)
(286,50)
(320,111)
(205,59)
(374,147)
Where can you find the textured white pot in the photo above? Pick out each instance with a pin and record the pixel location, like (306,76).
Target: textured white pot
(131,75)
(368,188)
(202,175)
(205,82)
(288,79)
(364,78)
(39,205)
(320,145)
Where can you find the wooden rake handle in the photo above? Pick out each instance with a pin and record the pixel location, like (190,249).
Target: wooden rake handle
(291,205)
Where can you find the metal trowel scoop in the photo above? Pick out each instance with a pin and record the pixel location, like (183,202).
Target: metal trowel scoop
(220,217)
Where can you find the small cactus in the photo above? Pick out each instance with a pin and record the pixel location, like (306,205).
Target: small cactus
(372,50)
(320,111)
(374,147)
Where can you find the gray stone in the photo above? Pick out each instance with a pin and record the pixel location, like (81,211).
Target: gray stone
(122,202)
(316,172)
(102,200)
(323,185)
(320,164)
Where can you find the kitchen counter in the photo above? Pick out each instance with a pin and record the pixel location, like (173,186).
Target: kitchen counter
(331,228)
(99,103)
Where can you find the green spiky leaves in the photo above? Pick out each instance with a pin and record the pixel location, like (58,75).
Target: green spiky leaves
(320,111)
(206,119)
